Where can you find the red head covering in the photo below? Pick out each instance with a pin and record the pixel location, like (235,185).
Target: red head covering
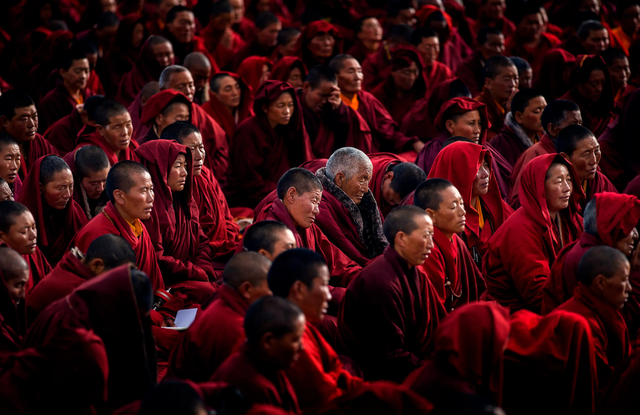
(158,102)
(472,339)
(53,236)
(459,163)
(221,114)
(401,57)
(616,216)
(534,202)
(251,71)
(460,105)
(313,29)
(549,81)
(282,69)
(425,12)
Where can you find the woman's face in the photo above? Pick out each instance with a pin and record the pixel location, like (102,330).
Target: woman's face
(138,35)
(558,187)
(321,46)
(280,110)
(295,78)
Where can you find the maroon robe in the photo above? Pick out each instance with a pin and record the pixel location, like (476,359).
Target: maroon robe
(64,132)
(215,142)
(542,147)
(182,49)
(260,154)
(57,104)
(387,318)
(38,267)
(534,55)
(96,139)
(376,68)
(56,226)
(223,116)
(470,72)
(222,54)
(258,383)
(154,107)
(550,80)
(211,339)
(382,162)
(453,49)
(32,151)
(13,320)
(512,141)
(313,29)
(495,113)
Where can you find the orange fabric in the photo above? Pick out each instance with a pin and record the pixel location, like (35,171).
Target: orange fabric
(353,103)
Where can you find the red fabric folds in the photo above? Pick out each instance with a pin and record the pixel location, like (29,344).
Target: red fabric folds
(250,71)
(97,140)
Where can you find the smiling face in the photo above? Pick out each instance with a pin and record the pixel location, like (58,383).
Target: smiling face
(314,300)
(467,125)
(183,27)
(24,124)
(303,208)
(284,351)
(558,187)
(22,235)
(10,161)
(350,77)
(481,182)
(178,174)
(450,217)
(59,191)
(280,110)
(229,93)
(594,86)
(198,152)
(118,132)
(94,184)
(137,203)
(625,245)
(585,158)
(429,48)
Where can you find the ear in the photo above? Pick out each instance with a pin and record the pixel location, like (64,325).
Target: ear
(565,155)
(297,291)
(599,282)
(388,176)
(265,253)
(96,266)
(266,342)
(4,121)
(100,129)
(518,117)
(159,119)
(449,125)
(3,235)
(399,240)
(291,194)
(432,215)
(118,195)
(244,289)
(63,72)
(488,82)
(264,108)
(306,87)
(41,187)
(339,179)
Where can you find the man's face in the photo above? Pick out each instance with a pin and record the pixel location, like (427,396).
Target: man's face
(16,286)
(5,192)
(429,48)
(183,27)
(371,30)
(494,46)
(317,98)
(314,300)
(229,93)
(407,16)
(450,217)
(237,10)
(59,191)
(390,196)
(23,235)
(200,75)
(198,152)
(525,79)
(178,111)
(283,352)
(531,119)
(594,86)
(183,82)
(138,202)
(94,183)
(286,240)
(597,42)
(418,244)
(163,53)
(467,125)
(494,9)
(165,6)
(626,244)
(118,132)
(24,124)
(304,208)
(530,28)
(586,157)
(10,161)
(350,77)
(620,72)
(268,37)
(570,118)
(290,48)
(220,22)
(321,46)
(630,21)
(616,289)
(503,85)
(355,187)
(405,78)
(77,75)
(295,78)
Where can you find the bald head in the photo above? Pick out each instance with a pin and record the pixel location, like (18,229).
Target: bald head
(149,90)
(196,60)
(269,238)
(246,266)
(12,265)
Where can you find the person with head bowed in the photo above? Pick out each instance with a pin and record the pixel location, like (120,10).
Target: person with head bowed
(10,162)
(266,145)
(18,231)
(290,69)
(384,130)
(490,43)
(181,246)
(264,43)
(63,134)
(450,267)
(602,291)
(218,330)
(90,167)
(48,194)
(547,222)
(115,306)
(348,213)
(393,179)
(301,276)
(230,101)
(19,119)
(14,276)
(274,328)
(179,79)
(269,238)
(319,42)
(391,310)
(162,110)
(330,124)
(200,68)
(156,54)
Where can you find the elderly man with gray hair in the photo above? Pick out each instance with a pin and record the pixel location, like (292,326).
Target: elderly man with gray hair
(178,78)
(349,215)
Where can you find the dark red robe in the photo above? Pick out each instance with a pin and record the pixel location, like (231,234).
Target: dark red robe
(13,321)
(382,162)
(259,154)
(96,139)
(111,222)
(32,151)
(549,81)
(106,305)
(57,104)
(511,141)
(282,68)
(223,116)
(535,56)
(542,147)
(181,246)
(56,226)
(182,49)
(214,140)
(222,54)
(38,267)
(522,251)
(470,72)
(495,113)
(388,317)
(64,132)
(376,68)
(313,29)
(211,339)
(258,383)
(154,107)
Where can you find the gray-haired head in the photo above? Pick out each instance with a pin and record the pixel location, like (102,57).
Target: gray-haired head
(167,73)
(349,161)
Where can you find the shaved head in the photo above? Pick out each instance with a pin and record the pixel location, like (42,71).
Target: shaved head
(149,90)
(246,266)
(196,60)
(12,265)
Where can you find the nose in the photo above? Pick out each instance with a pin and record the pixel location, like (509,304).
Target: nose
(316,209)
(430,242)
(566,187)
(22,293)
(329,296)
(68,193)
(100,187)
(13,165)
(287,111)
(183,172)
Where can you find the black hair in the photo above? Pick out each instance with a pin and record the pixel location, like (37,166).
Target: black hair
(173,13)
(611,54)
(521,100)
(262,235)
(121,177)
(569,137)
(49,166)
(401,32)
(429,194)
(301,179)
(90,159)
(285,36)
(599,260)
(401,219)
(484,32)
(556,111)
(91,104)
(406,177)
(216,79)
(290,266)
(113,250)
(246,266)
(273,315)
(6,140)
(266,19)
(421,33)
(178,131)
(335,65)
(319,74)
(588,26)
(9,210)
(12,100)
(521,64)
(494,64)
(107,19)
(172,397)
(106,110)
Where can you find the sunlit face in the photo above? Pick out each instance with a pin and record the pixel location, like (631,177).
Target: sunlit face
(416,246)
(177,178)
(268,37)
(467,125)
(183,27)
(616,289)
(23,235)
(94,184)
(178,111)
(304,208)
(350,77)
(625,245)
(280,110)
(592,6)
(503,85)
(10,161)
(24,124)
(295,78)
(163,54)
(109,6)
(314,300)
(558,188)
(586,157)
(429,48)
(77,75)
(5,192)
(481,181)
(321,46)
(59,191)
(183,82)
(286,240)
(229,93)
(596,42)
(137,203)
(16,286)
(198,152)
(450,217)
(283,352)
(405,78)
(492,47)
(531,119)
(371,30)
(620,72)
(118,132)
(137,36)
(357,186)
(237,10)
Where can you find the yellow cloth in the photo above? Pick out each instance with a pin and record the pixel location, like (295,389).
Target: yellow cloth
(584,186)
(353,103)
(479,210)
(622,38)
(136,227)
(80,100)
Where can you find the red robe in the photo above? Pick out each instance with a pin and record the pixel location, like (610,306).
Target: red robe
(38,268)
(227,121)
(215,218)
(106,305)
(470,72)
(515,276)
(387,318)
(32,151)
(221,53)
(181,246)
(64,132)
(535,56)
(212,337)
(257,383)
(549,81)
(551,357)
(512,141)
(111,222)
(437,74)
(609,331)
(182,49)
(96,139)
(542,147)
(382,162)
(259,154)
(13,321)
(318,28)
(61,281)
(57,104)
(495,112)
(214,140)
(56,226)
(376,68)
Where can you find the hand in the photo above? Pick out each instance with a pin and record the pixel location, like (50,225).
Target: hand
(417,146)
(227,38)
(243,223)
(334,98)
(635,259)
(169,322)
(508,106)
